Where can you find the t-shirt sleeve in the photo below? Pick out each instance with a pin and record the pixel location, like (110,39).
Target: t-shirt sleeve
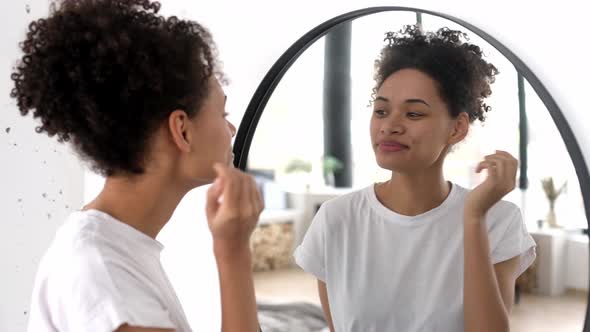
(310,254)
(509,238)
(105,294)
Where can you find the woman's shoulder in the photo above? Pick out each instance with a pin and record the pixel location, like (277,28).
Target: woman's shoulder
(75,249)
(87,245)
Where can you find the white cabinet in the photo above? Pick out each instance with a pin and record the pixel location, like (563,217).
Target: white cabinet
(552,260)
(308,202)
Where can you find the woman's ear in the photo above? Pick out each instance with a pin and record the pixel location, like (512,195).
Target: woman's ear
(178,125)
(460,128)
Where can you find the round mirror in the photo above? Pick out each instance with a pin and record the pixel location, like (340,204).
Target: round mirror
(306,138)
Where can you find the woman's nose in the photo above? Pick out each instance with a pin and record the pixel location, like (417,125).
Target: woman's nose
(232,128)
(392,126)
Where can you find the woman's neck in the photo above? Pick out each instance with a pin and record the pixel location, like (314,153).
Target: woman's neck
(144,202)
(413,194)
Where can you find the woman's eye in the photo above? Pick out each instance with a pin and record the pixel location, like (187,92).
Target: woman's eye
(379,112)
(414,115)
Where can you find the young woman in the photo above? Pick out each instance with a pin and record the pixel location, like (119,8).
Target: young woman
(417,252)
(138,96)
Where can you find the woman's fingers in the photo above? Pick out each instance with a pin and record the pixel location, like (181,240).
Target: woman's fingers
(232,190)
(501,167)
(240,197)
(256,199)
(213,193)
(246,207)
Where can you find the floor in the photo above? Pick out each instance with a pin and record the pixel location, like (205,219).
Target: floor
(534,313)
(537,313)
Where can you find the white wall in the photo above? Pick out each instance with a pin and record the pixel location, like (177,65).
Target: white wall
(251,36)
(40,180)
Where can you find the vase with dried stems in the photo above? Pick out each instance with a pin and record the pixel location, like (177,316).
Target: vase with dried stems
(552,193)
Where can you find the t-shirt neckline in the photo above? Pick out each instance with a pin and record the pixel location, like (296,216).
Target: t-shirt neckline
(416,220)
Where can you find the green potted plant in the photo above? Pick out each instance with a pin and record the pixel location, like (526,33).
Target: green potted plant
(331,165)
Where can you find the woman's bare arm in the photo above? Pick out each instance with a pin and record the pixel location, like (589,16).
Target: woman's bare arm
(325,303)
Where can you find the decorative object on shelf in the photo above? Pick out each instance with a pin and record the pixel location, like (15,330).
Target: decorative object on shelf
(298,165)
(331,165)
(299,171)
(552,194)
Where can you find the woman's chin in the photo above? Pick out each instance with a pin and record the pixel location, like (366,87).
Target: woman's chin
(228,160)
(392,166)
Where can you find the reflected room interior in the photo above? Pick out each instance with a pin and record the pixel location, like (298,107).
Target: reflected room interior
(312,144)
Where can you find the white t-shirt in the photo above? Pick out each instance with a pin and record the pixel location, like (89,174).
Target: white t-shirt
(389,272)
(100,273)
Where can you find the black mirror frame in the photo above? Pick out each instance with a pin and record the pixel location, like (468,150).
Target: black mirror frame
(262,94)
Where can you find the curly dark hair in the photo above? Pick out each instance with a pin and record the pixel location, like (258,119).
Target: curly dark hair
(463,76)
(104,74)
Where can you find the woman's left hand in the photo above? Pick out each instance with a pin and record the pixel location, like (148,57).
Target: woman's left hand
(501,180)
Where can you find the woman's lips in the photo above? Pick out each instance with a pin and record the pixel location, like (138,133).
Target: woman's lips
(391,146)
